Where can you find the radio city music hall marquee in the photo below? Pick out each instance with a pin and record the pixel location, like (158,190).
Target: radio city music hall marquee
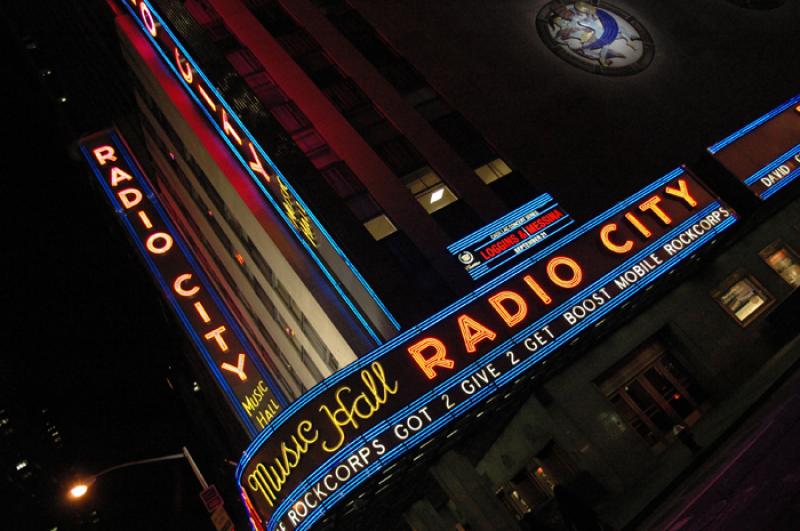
(387,403)
(222,345)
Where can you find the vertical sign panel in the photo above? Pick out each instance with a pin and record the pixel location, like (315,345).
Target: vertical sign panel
(236,367)
(353,289)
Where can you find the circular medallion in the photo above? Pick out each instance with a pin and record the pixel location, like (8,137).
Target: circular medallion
(595,36)
(758,4)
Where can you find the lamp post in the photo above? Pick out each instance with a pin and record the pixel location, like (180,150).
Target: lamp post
(80,489)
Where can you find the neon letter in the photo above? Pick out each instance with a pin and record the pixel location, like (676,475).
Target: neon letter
(638,224)
(118,175)
(145,219)
(473,332)
(438,359)
(147,18)
(229,130)
(255,164)
(163,237)
(577,272)
(611,246)
(537,289)
(130,197)
(203,93)
(652,205)
(103,154)
(184,67)
(180,290)
(216,334)
(510,318)
(682,193)
(236,369)
(201,311)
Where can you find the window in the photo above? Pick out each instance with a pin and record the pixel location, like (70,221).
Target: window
(380,227)
(784,261)
(429,190)
(652,392)
(492,171)
(531,489)
(742,297)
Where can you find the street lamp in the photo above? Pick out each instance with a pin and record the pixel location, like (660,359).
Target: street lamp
(80,489)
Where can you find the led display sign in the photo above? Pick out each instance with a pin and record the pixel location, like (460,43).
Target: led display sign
(226,351)
(359,420)
(508,239)
(765,154)
(276,188)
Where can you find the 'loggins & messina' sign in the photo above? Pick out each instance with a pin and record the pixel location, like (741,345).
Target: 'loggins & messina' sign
(359,420)
(244,381)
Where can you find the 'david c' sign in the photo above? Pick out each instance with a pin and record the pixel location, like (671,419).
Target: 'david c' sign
(385,404)
(247,386)
(765,154)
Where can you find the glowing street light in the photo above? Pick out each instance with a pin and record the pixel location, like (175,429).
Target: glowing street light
(80,489)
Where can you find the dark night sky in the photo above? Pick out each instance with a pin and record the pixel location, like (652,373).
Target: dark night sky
(85,334)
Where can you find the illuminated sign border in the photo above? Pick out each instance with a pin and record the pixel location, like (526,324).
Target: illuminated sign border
(121,149)
(158,23)
(362,439)
(790,155)
(752,125)
(542,205)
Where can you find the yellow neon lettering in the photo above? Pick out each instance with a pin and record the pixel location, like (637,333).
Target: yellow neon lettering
(473,332)
(682,192)
(216,334)
(118,175)
(268,480)
(605,237)
(437,359)
(652,205)
(130,197)
(153,245)
(363,406)
(103,154)
(180,290)
(201,311)
(237,369)
(145,219)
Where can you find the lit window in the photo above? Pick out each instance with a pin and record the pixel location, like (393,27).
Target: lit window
(784,261)
(492,171)
(743,298)
(380,227)
(429,190)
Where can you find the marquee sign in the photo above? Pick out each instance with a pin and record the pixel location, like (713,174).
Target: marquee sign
(765,154)
(276,188)
(246,384)
(359,420)
(508,239)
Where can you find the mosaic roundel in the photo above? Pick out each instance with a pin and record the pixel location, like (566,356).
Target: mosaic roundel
(595,36)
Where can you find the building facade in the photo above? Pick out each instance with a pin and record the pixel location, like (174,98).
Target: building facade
(461,260)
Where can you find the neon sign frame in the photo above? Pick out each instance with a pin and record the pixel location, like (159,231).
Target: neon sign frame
(375,432)
(232,131)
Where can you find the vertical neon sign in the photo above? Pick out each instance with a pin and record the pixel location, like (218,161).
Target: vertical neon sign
(246,384)
(276,188)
